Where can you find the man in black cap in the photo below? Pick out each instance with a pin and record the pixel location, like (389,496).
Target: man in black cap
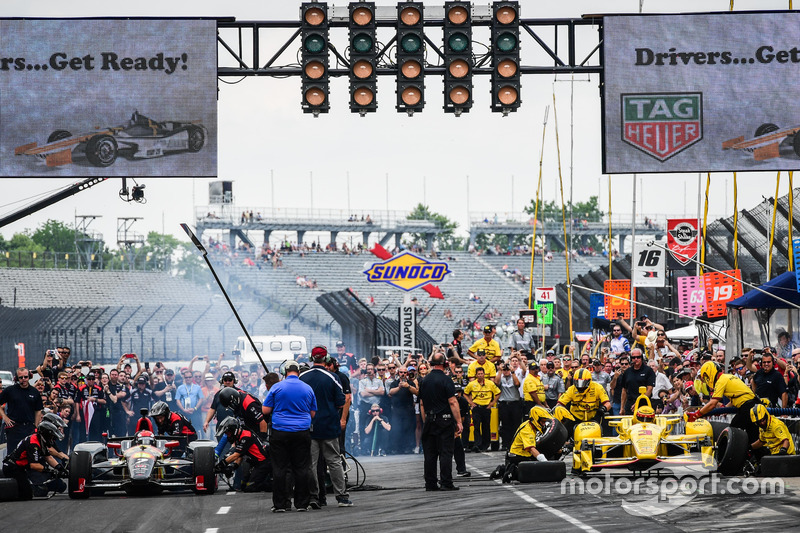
(20,408)
(141,398)
(442,423)
(490,346)
(217,410)
(345,359)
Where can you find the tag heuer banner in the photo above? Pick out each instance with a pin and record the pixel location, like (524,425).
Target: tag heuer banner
(683,241)
(697,93)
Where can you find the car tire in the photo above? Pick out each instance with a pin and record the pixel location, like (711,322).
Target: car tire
(80,473)
(197,138)
(765,128)
(57,135)
(541,472)
(780,466)
(552,438)
(731,451)
(101,150)
(717,428)
(203,471)
(9,490)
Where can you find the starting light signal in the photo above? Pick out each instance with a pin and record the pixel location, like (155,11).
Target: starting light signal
(314,57)
(505,57)
(410,57)
(457,57)
(363,58)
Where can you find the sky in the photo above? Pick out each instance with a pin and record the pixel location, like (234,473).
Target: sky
(480,162)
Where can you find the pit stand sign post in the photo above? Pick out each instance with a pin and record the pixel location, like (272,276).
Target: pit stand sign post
(545,301)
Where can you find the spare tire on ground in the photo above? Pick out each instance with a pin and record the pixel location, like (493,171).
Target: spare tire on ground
(541,472)
(780,466)
(9,490)
(731,452)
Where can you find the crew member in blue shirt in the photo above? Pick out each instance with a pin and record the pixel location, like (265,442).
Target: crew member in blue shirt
(292,404)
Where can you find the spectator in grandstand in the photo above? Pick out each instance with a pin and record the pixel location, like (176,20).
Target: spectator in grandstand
(20,408)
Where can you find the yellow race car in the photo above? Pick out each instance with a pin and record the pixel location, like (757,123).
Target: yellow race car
(644,440)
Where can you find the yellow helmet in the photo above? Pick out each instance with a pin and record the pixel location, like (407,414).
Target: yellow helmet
(709,373)
(759,414)
(582,379)
(644,414)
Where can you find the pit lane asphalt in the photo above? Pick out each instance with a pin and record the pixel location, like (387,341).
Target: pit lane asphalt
(402,504)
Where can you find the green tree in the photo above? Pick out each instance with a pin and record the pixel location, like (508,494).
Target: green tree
(446,240)
(55,236)
(550,213)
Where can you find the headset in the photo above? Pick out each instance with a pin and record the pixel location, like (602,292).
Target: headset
(380,410)
(235,381)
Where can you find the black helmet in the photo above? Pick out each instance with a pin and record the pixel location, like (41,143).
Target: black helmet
(55,420)
(159,409)
(49,433)
(231,423)
(229,397)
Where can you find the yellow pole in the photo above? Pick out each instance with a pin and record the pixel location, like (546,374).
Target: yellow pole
(791,209)
(735,223)
(772,230)
(705,224)
(610,253)
(536,211)
(563,217)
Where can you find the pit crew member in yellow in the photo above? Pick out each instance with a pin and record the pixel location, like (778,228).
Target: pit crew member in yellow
(585,397)
(728,386)
(524,445)
(482,394)
(772,433)
(532,388)
(492,348)
(488,367)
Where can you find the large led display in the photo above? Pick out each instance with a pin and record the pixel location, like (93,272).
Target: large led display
(108,97)
(706,92)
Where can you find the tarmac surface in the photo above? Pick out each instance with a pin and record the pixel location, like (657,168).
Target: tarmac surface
(395,500)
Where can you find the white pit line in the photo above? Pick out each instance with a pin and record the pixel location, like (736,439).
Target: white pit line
(224,509)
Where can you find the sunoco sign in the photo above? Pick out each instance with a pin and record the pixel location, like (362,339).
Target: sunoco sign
(407,271)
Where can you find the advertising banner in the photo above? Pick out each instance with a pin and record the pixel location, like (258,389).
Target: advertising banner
(700,92)
(649,263)
(407,318)
(108,97)
(683,242)
(617,298)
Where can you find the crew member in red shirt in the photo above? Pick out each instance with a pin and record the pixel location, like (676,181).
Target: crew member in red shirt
(247,447)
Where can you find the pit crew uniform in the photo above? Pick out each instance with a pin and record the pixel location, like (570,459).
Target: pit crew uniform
(249,411)
(258,477)
(489,370)
(30,482)
(741,397)
(177,425)
(773,436)
(482,396)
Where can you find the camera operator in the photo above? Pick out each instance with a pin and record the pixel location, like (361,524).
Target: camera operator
(20,408)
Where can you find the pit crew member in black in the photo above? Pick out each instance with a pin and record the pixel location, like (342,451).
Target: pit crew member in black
(246,448)
(32,465)
(20,408)
(244,406)
(441,424)
(173,424)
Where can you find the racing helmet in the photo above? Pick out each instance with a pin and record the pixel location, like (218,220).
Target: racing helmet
(644,414)
(145,438)
(231,423)
(582,379)
(55,420)
(759,414)
(159,409)
(229,397)
(709,373)
(49,433)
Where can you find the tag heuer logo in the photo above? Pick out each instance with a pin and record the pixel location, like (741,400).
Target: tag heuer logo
(662,125)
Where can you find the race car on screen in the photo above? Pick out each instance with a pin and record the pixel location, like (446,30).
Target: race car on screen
(645,441)
(141,138)
(766,142)
(141,464)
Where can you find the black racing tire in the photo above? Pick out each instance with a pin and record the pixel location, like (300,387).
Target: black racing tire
(101,150)
(552,438)
(9,490)
(541,472)
(203,465)
(57,135)
(80,467)
(717,428)
(765,128)
(731,451)
(197,138)
(780,466)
